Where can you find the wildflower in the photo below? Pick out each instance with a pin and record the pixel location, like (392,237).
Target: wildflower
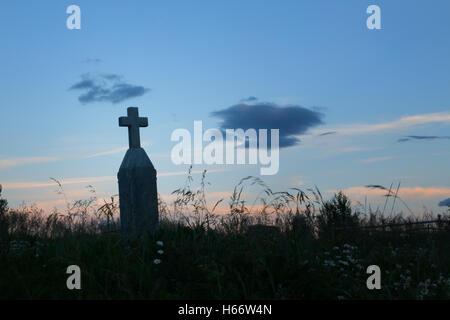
(329,263)
(160,243)
(160,251)
(157,261)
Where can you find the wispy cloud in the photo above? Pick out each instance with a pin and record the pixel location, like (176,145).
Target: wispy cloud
(291,120)
(106,153)
(29,185)
(112,151)
(92,60)
(15,162)
(106,87)
(404,192)
(327,133)
(89,180)
(423,138)
(249,99)
(377,159)
(404,122)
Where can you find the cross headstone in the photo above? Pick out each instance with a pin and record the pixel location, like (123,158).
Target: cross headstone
(138,197)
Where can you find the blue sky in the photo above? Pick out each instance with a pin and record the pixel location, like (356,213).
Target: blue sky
(373,87)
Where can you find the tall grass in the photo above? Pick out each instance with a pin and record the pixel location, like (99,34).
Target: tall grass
(302,247)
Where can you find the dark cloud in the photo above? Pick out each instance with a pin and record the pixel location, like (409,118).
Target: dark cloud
(106,87)
(83,84)
(290,120)
(445,203)
(112,76)
(327,133)
(249,99)
(409,138)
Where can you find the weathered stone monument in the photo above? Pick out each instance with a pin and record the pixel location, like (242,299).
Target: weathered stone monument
(138,197)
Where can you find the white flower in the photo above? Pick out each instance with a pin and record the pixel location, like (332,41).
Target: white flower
(160,251)
(160,243)
(156,261)
(329,263)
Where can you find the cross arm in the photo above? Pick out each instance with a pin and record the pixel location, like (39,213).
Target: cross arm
(124,122)
(143,122)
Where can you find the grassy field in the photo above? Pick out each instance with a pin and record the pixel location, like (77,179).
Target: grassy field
(197,254)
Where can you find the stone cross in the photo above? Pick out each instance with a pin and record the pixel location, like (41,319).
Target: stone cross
(133,122)
(138,196)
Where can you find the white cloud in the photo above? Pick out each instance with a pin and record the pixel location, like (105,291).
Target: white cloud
(112,151)
(89,180)
(28,185)
(15,162)
(378,159)
(410,193)
(108,152)
(404,122)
